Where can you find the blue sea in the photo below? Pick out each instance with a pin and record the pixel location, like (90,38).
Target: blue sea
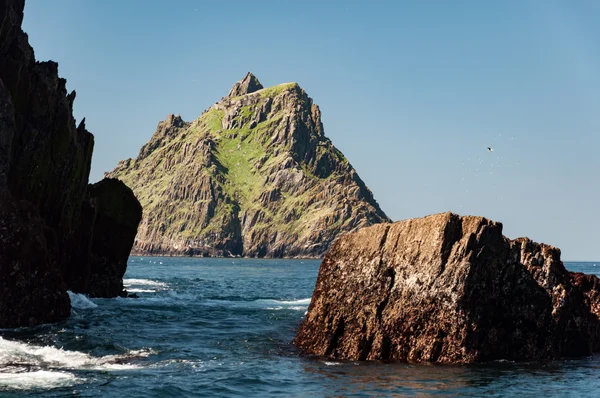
(223,328)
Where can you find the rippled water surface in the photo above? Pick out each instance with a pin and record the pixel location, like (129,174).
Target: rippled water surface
(223,327)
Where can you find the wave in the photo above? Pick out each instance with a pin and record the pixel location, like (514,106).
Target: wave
(144,282)
(305,301)
(140,290)
(163,298)
(143,285)
(26,366)
(173,297)
(37,379)
(267,304)
(23,354)
(80,301)
(294,308)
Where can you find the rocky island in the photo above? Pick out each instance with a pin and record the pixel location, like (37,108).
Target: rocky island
(254,176)
(448,289)
(55,229)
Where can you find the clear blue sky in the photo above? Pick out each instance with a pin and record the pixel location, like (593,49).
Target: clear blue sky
(411,92)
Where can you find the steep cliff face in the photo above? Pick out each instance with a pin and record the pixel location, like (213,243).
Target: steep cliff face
(253,176)
(451,289)
(44,168)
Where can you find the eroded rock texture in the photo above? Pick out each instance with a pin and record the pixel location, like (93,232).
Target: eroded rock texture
(253,176)
(450,289)
(44,168)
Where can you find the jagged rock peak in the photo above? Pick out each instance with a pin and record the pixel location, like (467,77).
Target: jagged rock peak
(166,130)
(247,85)
(171,121)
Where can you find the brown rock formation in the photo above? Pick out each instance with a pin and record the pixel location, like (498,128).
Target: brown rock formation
(450,289)
(44,168)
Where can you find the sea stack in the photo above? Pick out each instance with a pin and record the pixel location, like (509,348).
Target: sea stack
(254,176)
(448,289)
(46,212)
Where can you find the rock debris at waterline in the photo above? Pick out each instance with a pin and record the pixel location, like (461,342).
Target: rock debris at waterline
(254,176)
(448,289)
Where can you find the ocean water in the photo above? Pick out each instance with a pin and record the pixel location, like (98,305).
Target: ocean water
(222,328)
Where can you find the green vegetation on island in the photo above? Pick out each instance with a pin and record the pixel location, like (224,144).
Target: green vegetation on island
(253,176)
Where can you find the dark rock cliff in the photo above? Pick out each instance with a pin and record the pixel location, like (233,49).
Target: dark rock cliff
(44,167)
(450,289)
(118,214)
(254,176)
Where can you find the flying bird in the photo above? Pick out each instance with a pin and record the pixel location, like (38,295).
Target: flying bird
(490,149)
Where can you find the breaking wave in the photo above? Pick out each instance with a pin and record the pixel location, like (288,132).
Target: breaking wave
(80,301)
(35,379)
(143,285)
(305,301)
(27,366)
(267,304)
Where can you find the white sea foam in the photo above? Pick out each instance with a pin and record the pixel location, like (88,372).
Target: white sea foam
(37,379)
(267,304)
(140,290)
(294,305)
(26,366)
(79,301)
(145,282)
(14,352)
(294,308)
(332,363)
(305,301)
(286,303)
(144,285)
